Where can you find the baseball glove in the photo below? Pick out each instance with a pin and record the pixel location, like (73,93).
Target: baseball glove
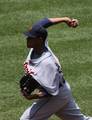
(29,84)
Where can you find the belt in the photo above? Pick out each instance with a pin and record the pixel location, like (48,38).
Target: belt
(63,82)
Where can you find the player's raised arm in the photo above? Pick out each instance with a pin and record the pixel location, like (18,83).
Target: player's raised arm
(70,22)
(47,22)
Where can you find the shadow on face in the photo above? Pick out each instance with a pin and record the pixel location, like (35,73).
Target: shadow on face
(34,42)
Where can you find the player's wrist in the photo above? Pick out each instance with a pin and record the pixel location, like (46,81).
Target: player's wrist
(66,19)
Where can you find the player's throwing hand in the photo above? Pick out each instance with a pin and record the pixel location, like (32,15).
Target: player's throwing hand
(72,23)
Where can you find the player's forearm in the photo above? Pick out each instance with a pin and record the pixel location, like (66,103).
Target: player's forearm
(60,20)
(36,96)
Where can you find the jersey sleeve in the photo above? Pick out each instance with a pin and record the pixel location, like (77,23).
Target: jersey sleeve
(44,23)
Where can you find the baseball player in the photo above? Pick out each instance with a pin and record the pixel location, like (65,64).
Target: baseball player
(45,68)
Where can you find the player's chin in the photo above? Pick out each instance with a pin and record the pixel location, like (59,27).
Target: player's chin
(29,46)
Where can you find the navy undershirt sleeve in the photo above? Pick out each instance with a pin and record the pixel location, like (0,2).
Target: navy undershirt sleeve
(44,22)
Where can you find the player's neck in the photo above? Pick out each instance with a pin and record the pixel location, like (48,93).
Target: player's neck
(39,50)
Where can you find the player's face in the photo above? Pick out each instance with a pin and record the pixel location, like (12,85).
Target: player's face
(33,42)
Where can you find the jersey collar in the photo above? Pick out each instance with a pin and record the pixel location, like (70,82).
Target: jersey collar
(38,60)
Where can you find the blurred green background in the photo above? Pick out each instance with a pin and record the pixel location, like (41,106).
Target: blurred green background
(73,47)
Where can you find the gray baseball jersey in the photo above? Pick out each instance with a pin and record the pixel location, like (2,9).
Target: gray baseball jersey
(45,70)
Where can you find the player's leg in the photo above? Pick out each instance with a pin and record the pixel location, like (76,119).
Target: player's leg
(31,111)
(71,111)
(44,108)
(26,114)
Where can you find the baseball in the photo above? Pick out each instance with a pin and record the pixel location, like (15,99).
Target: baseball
(74,23)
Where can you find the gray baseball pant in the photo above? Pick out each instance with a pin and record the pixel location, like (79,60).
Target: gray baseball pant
(62,105)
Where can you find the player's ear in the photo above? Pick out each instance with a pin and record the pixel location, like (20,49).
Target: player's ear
(40,38)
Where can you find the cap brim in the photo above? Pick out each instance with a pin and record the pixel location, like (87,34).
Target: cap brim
(28,34)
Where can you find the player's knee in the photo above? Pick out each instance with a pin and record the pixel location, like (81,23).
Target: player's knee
(26,114)
(90,118)
(24,117)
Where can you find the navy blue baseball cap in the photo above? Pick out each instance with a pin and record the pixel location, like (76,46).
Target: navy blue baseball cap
(36,31)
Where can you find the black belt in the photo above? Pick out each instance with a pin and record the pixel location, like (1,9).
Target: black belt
(63,82)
